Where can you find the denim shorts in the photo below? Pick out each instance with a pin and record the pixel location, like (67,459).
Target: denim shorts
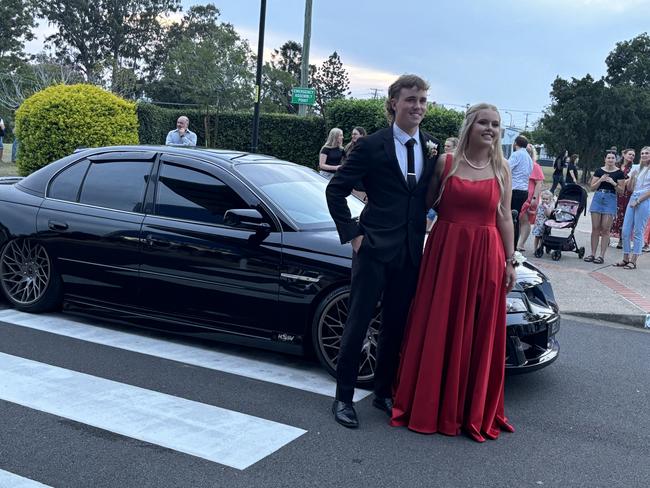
(603,202)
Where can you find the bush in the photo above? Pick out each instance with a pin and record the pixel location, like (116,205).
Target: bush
(289,137)
(371,115)
(54,122)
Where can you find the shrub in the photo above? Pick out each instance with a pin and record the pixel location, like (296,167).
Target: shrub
(54,122)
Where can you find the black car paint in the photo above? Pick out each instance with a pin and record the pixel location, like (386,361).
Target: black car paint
(165,274)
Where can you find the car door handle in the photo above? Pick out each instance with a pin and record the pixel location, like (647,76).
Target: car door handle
(150,240)
(54,225)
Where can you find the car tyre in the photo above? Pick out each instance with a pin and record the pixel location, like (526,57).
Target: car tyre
(28,278)
(327,329)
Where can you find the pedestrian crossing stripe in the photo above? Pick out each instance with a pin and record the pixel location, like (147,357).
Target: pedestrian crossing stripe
(10,480)
(281,369)
(223,436)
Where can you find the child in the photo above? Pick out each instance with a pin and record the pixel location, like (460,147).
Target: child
(544,210)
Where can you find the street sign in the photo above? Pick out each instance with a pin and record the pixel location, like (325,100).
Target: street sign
(303,96)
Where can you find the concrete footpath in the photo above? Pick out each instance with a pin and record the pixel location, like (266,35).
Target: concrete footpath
(598,291)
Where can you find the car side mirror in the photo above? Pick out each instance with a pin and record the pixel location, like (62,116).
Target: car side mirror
(245,217)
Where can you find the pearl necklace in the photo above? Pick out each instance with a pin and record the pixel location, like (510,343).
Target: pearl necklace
(473,165)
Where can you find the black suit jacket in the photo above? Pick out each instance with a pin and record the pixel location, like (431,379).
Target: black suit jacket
(394,214)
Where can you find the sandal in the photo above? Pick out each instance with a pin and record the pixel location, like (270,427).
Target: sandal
(599,260)
(589,259)
(630,265)
(621,264)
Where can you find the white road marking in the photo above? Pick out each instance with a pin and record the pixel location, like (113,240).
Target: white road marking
(275,368)
(216,434)
(10,480)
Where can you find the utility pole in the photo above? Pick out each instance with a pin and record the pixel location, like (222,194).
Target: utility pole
(304,68)
(526,124)
(375,92)
(258,78)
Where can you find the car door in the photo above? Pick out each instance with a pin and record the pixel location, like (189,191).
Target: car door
(196,267)
(90,222)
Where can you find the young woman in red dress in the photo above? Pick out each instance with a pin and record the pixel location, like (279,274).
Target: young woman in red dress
(451,375)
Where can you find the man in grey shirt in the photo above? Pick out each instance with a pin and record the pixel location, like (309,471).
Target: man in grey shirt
(521,166)
(181,136)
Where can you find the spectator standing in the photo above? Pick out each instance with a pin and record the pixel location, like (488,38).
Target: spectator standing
(521,167)
(331,154)
(558,171)
(604,183)
(357,133)
(182,135)
(543,212)
(572,169)
(529,208)
(623,197)
(637,212)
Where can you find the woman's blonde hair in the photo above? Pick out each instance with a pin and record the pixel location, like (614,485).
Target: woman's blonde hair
(532,152)
(495,155)
(331,138)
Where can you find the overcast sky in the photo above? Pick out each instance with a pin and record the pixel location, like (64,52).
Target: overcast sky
(507,52)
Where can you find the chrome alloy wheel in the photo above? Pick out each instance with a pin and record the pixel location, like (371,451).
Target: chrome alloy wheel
(25,271)
(330,331)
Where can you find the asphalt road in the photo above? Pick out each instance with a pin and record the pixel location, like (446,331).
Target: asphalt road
(583,421)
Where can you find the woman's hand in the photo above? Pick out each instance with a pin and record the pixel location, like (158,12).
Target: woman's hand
(510,277)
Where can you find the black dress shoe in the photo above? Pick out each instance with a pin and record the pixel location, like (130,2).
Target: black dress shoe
(344,414)
(385,404)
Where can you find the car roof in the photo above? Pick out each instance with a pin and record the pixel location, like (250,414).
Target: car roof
(37,181)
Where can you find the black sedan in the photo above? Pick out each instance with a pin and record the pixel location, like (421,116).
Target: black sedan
(217,244)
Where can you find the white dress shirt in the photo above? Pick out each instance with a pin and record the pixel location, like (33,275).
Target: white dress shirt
(401,139)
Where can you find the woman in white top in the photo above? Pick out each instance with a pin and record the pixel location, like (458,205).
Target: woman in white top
(637,212)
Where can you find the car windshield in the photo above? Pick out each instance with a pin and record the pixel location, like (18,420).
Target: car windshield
(298,191)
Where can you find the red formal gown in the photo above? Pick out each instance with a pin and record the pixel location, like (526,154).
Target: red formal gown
(451,374)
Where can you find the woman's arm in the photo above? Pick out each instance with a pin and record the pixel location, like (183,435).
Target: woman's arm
(507,231)
(323,165)
(595,182)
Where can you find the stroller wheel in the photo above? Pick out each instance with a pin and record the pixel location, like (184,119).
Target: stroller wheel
(581,253)
(539,252)
(548,250)
(556,255)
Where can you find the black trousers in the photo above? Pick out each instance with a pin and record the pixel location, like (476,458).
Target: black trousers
(394,282)
(519,197)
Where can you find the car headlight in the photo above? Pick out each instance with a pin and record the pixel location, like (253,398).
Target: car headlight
(515,305)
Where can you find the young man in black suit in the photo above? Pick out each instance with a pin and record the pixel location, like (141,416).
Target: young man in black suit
(395,166)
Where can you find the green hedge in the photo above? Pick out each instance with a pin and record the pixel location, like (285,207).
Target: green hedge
(371,115)
(288,137)
(54,122)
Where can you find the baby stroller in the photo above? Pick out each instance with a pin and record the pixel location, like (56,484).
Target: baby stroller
(571,202)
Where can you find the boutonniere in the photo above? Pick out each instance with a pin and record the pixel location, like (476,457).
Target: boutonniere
(432,149)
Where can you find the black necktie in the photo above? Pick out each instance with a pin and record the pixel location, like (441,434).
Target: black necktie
(410,164)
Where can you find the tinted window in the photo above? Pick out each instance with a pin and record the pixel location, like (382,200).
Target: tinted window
(298,191)
(188,194)
(65,185)
(116,184)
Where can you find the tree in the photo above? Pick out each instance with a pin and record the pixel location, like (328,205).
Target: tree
(16,24)
(27,79)
(629,62)
(331,81)
(588,116)
(105,33)
(288,58)
(206,63)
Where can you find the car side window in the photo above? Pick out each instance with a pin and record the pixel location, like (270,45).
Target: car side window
(65,185)
(189,194)
(119,185)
